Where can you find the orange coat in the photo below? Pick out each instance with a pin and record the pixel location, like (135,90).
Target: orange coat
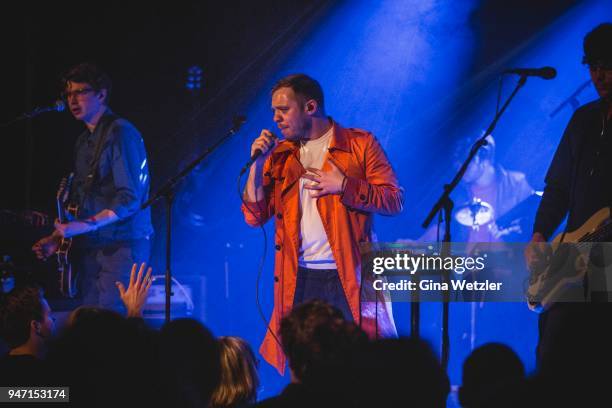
(371,187)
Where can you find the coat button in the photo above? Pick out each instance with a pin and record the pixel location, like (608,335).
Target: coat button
(276,279)
(277,247)
(363,197)
(279,216)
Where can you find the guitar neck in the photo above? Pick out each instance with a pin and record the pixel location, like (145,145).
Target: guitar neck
(601,235)
(63,194)
(60,212)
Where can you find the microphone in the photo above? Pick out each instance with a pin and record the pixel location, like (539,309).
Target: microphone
(58,106)
(255,156)
(544,72)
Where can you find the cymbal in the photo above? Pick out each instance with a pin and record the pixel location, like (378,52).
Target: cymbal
(475,213)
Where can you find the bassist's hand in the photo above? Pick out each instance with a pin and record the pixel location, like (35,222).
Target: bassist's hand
(536,252)
(46,246)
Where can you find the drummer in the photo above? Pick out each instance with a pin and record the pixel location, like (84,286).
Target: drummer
(488,203)
(488,192)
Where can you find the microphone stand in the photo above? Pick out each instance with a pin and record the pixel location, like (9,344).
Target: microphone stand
(445,204)
(572,100)
(167,192)
(33,113)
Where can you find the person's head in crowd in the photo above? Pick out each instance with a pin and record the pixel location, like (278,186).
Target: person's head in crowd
(190,361)
(402,372)
(598,56)
(88,314)
(100,350)
(316,338)
(26,324)
(239,376)
(491,374)
(91,328)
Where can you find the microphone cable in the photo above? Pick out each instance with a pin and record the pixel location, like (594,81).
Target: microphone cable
(261,263)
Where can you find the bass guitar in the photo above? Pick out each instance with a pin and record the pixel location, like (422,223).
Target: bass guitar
(566,265)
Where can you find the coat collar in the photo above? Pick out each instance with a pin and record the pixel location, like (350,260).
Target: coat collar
(338,141)
(292,170)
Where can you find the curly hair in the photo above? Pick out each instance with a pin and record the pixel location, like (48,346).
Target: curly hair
(315,336)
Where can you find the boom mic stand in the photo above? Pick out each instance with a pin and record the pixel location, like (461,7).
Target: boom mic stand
(445,205)
(167,192)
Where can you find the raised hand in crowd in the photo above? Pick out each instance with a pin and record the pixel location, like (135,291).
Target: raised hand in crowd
(135,296)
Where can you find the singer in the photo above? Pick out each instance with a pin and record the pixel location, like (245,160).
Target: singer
(576,336)
(111,182)
(322,184)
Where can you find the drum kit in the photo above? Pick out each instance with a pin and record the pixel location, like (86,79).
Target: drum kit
(510,227)
(475,214)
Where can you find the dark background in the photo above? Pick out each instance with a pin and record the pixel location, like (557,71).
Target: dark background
(147,49)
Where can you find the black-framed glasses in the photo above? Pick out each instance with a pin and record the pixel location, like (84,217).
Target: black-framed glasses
(76,92)
(599,64)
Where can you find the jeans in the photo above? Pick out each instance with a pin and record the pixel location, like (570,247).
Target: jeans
(321,284)
(99,268)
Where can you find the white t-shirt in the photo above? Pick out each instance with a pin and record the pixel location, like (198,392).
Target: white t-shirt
(315,252)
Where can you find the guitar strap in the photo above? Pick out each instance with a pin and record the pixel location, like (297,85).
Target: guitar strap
(102,130)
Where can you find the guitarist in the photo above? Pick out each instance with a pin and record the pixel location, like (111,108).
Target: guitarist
(578,184)
(111,181)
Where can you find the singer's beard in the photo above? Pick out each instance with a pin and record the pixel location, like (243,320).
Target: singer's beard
(304,132)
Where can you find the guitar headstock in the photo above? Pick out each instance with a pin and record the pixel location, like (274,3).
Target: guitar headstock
(63,191)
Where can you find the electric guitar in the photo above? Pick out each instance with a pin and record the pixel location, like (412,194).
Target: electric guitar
(567,264)
(65,213)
